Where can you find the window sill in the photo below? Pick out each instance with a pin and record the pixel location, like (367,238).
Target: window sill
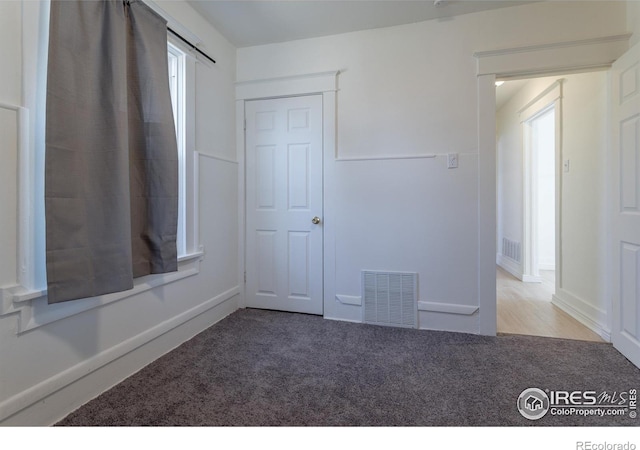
(34,311)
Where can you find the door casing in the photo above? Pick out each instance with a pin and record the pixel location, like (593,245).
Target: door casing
(325,84)
(293,229)
(526,62)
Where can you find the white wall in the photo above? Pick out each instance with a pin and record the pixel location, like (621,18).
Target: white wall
(50,370)
(633,20)
(412,90)
(584,144)
(11,94)
(10,75)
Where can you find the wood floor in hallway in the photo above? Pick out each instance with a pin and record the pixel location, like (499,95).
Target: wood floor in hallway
(526,308)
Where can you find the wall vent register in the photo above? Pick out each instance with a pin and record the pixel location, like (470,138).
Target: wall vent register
(390,298)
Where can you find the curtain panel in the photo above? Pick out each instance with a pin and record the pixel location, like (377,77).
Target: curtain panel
(111,163)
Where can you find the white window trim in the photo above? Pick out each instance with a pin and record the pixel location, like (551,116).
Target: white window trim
(179,105)
(26,298)
(189,170)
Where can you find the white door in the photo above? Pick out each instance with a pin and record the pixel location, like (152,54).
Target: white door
(626,200)
(284,204)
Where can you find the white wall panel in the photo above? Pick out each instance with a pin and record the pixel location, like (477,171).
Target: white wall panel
(10,53)
(8,196)
(630,163)
(298,275)
(629,286)
(266,257)
(265,177)
(298,173)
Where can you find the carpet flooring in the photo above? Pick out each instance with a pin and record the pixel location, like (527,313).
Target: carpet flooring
(267,368)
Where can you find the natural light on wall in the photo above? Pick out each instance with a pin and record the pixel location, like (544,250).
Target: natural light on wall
(176,59)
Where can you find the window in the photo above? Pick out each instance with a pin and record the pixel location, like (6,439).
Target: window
(28,295)
(176,60)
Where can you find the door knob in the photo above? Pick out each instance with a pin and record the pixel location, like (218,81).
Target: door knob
(315,220)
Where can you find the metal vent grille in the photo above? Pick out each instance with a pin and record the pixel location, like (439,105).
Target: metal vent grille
(390,298)
(511,249)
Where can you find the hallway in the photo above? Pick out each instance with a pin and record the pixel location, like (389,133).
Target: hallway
(526,308)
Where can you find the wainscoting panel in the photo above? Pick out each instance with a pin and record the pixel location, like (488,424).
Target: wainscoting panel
(46,403)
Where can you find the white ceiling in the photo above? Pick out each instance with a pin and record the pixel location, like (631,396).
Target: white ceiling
(255,22)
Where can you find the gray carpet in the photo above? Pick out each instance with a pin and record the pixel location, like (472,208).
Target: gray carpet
(266,368)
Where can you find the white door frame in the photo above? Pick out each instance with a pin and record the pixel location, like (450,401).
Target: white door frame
(325,84)
(547,59)
(549,98)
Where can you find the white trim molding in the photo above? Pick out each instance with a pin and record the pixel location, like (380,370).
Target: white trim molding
(509,265)
(307,84)
(449,308)
(541,101)
(593,318)
(25,195)
(218,158)
(529,61)
(355,300)
(326,84)
(384,157)
(34,311)
(487,205)
(567,56)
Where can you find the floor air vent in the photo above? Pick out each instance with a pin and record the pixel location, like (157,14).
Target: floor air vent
(511,249)
(390,298)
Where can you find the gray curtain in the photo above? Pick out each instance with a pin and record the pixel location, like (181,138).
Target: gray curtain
(111,164)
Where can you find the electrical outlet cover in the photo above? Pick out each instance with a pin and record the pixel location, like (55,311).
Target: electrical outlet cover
(452,160)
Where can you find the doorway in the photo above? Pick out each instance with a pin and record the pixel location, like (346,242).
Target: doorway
(284,204)
(540,151)
(534,227)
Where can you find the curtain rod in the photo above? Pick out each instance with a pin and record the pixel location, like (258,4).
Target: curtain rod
(191,45)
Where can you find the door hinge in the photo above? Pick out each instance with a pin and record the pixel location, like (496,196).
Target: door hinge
(245,278)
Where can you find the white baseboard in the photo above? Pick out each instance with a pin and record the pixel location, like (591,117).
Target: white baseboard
(588,315)
(509,265)
(531,279)
(47,402)
(451,322)
(454,317)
